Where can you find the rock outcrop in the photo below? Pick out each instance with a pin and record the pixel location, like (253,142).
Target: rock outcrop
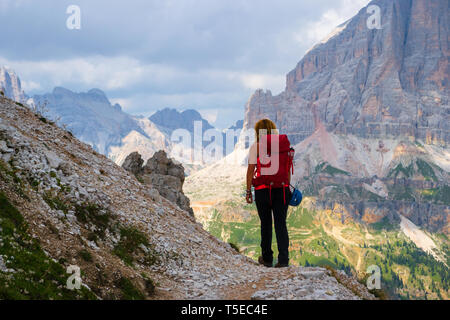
(11,86)
(162,173)
(133,163)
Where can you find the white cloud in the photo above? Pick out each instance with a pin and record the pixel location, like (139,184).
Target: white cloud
(30,86)
(263,81)
(330,19)
(127,73)
(107,73)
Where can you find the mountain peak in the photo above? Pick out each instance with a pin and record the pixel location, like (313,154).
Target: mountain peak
(10,85)
(97,92)
(370,82)
(62,91)
(170,119)
(90,116)
(192,114)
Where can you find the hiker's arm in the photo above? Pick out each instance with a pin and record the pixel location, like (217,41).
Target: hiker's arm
(250,172)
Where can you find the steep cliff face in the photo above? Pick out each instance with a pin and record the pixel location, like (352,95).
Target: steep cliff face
(11,86)
(377,83)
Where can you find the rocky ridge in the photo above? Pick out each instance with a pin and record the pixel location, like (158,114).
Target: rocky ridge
(84,210)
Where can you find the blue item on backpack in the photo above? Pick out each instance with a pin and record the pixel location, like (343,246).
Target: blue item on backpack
(296,198)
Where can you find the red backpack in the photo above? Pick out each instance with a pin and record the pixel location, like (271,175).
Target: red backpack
(268,176)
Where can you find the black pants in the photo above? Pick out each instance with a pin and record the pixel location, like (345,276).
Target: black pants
(266,206)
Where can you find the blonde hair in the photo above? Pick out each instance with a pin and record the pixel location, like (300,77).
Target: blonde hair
(265,124)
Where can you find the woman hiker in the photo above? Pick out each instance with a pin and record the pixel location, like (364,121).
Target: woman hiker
(272,193)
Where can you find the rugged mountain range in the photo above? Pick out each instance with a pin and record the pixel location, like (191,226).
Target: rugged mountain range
(62,204)
(368,113)
(92,118)
(170,120)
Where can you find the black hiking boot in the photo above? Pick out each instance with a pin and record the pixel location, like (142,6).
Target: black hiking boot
(281,265)
(264,263)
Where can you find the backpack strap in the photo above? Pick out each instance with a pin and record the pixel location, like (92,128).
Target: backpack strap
(258,167)
(291,160)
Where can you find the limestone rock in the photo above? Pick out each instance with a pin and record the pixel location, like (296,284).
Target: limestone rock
(4,148)
(53,160)
(162,173)
(65,168)
(11,86)
(133,163)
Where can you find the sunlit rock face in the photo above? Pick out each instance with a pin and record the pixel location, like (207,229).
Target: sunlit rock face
(371,83)
(11,86)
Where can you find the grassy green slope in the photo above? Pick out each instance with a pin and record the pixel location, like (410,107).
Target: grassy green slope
(32,274)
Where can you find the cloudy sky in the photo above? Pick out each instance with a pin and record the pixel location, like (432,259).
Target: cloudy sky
(209,55)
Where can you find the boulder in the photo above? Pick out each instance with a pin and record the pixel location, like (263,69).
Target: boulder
(4,148)
(133,163)
(165,175)
(52,159)
(65,168)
